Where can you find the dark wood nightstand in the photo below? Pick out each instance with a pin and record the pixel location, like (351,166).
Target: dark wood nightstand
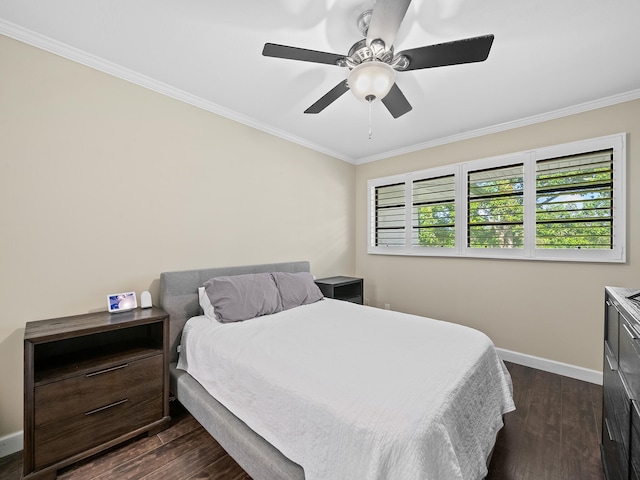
(342,288)
(90,382)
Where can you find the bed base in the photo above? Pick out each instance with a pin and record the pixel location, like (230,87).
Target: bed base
(260,459)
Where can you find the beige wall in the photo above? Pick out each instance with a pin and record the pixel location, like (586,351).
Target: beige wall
(552,310)
(104,184)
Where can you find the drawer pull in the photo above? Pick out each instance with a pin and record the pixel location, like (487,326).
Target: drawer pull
(111,405)
(114,404)
(630,332)
(106,370)
(609,362)
(606,424)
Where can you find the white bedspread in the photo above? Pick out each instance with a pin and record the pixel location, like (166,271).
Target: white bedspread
(352,392)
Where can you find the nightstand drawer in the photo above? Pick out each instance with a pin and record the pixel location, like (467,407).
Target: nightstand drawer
(78,395)
(64,438)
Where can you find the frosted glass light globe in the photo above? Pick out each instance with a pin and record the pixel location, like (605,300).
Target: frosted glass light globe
(371,81)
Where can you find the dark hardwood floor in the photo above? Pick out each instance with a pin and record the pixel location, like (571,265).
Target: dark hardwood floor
(554,434)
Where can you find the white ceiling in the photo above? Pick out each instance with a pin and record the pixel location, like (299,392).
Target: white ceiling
(548,59)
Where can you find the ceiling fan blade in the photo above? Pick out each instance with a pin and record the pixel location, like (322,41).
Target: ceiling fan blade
(385,21)
(468,50)
(396,102)
(295,53)
(330,97)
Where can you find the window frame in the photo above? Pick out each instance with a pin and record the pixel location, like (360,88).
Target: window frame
(408,179)
(618,252)
(528,159)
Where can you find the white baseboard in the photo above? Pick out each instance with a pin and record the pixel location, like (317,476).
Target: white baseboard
(11,443)
(564,369)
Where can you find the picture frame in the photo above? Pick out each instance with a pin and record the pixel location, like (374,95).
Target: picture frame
(121,302)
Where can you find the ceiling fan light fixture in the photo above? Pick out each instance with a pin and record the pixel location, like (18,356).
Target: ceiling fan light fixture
(371,81)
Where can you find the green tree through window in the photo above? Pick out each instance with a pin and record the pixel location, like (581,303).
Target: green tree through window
(563,203)
(496,208)
(574,201)
(434,212)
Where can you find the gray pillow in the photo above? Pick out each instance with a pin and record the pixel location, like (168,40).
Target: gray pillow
(240,297)
(296,289)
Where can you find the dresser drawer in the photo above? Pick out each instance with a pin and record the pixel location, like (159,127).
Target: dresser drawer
(629,356)
(613,459)
(61,439)
(611,328)
(635,440)
(81,394)
(616,417)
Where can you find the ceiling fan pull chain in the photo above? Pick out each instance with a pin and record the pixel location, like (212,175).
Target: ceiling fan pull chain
(370,102)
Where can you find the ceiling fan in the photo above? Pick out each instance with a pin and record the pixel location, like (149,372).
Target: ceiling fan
(372,63)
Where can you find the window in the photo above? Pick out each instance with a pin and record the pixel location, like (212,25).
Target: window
(390,215)
(574,201)
(495,212)
(434,212)
(565,202)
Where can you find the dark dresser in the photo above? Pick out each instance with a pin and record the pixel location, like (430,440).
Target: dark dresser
(621,385)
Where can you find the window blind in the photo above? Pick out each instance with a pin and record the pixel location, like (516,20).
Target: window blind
(574,201)
(433,212)
(559,203)
(495,214)
(390,215)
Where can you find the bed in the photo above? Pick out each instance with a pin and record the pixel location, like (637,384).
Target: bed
(261,454)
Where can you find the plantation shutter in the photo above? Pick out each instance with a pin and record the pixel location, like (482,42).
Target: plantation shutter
(390,217)
(574,201)
(495,201)
(433,212)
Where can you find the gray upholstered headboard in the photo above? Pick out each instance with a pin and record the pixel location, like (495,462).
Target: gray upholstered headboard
(179,292)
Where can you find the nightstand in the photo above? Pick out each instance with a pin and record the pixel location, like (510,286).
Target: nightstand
(90,382)
(342,288)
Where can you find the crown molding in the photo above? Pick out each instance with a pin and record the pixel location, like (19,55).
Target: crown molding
(58,48)
(71,53)
(502,127)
